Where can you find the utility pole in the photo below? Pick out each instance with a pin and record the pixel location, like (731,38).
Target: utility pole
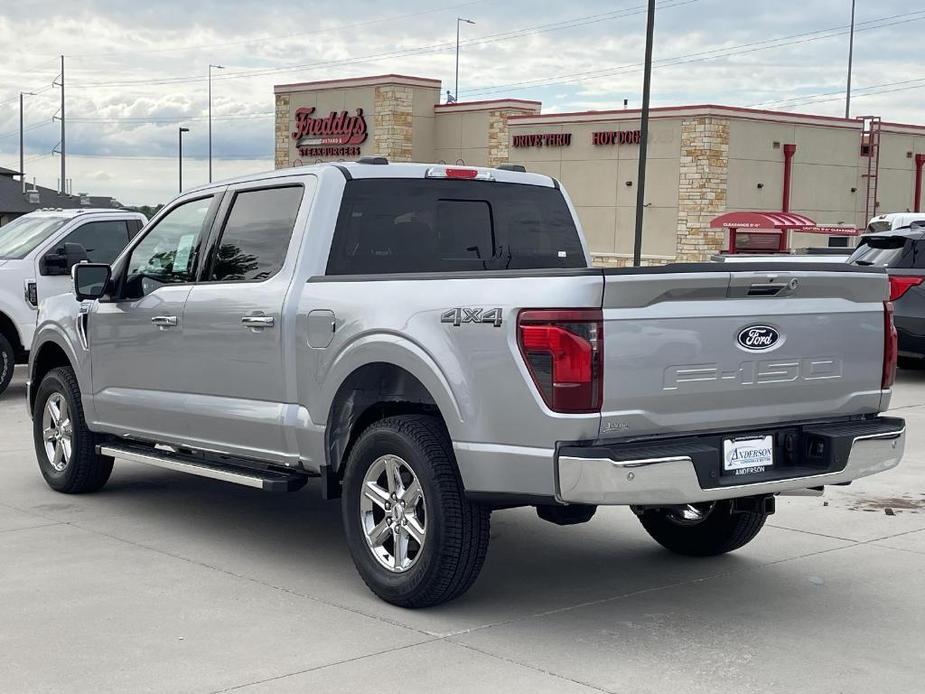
(217,67)
(850,58)
(644,135)
(458,20)
(62,125)
(22,162)
(180,154)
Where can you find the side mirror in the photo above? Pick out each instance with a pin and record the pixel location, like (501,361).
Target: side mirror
(91,280)
(62,259)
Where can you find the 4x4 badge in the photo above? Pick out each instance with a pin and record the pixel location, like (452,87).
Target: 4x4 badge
(458,316)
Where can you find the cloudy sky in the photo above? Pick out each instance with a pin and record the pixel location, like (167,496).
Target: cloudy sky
(135,71)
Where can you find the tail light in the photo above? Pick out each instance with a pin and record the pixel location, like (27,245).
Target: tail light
(564,352)
(890,346)
(459,173)
(899,285)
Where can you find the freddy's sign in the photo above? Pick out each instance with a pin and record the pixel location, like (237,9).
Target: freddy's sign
(336,134)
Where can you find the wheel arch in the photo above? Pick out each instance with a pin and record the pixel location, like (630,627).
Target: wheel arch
(48,355)
(9,330)
(372,392)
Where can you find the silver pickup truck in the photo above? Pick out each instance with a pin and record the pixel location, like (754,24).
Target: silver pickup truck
(430,343)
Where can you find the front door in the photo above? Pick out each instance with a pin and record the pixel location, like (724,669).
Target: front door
(235,333)
(137,361)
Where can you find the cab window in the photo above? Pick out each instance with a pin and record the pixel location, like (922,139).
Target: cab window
(103,241)
(169,251)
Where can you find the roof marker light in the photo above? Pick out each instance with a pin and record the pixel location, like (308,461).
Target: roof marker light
(459,173)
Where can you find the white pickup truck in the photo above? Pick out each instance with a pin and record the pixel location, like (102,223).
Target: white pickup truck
(37,252)
(431,342)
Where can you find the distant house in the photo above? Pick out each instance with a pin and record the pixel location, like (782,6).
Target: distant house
(14,203)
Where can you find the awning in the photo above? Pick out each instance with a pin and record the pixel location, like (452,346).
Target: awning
(762,220)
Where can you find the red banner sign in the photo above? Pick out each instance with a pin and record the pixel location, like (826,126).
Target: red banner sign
(543,140)
(336,134)
(616,137)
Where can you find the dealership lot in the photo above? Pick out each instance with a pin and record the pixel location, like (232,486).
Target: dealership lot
(166,582)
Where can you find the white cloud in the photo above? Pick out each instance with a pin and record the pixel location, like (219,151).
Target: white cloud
(135,72)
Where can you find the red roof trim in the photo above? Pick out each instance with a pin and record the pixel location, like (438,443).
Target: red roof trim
(358,79)
(693,107)
(490,101)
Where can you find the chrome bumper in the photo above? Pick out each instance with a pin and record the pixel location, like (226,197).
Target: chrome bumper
(673,480)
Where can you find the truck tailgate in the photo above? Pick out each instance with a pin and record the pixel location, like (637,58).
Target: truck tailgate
(696,350)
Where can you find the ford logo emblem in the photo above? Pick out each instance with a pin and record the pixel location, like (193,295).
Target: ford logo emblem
(758,338)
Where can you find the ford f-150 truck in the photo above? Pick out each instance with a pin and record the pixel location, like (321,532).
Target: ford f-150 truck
(431,342)
(37,252)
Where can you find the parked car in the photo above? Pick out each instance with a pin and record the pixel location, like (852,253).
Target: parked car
(37,252)
(432,343)
(894,220)
(902,253)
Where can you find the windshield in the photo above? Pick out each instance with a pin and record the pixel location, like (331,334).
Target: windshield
(21,236)
(882,251)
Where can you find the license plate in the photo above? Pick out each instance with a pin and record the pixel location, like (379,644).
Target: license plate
(748,456)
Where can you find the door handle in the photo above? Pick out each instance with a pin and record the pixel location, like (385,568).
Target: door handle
(258,322)
(164,322)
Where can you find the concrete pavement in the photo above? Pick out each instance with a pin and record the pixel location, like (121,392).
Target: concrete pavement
(164,582)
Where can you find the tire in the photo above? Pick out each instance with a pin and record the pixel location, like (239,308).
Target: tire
(7,363)
(719,532)
(455,531)
(82,470)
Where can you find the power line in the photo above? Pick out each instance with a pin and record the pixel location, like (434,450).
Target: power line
(263,39)
(432,48)
(142,120)
(871,90)
(700,56)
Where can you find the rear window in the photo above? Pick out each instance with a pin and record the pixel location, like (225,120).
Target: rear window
(403,225)
(883,251)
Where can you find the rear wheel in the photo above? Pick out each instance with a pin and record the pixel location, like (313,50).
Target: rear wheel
(65,448)
(7,362)
(702,530)
(414,537)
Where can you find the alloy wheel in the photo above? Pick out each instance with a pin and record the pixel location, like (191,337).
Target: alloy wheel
(392,513)
(57,432)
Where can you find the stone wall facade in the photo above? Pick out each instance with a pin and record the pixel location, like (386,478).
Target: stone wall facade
(499,138)
(702,186)
(281,132)
(393,134)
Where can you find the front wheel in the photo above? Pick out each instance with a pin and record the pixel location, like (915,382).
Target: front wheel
(702,530)
(414,537)
(65,448)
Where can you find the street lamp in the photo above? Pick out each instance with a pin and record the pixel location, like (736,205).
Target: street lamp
(217,67)
(458,20)
(850,59)
(180,154)
(22,171)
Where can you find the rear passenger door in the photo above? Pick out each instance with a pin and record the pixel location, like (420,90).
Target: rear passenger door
(234,330)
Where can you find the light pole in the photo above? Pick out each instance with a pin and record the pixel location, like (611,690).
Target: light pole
(458,20)
(217,67)
(644,136)
(22,170)
(180,132)
(850,57)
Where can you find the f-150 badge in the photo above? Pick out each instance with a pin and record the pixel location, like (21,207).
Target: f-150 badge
(458,316)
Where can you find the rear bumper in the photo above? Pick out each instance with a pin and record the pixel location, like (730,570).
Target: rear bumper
(686,470)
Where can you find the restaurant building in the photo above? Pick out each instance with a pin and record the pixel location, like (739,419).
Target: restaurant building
(830,174)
